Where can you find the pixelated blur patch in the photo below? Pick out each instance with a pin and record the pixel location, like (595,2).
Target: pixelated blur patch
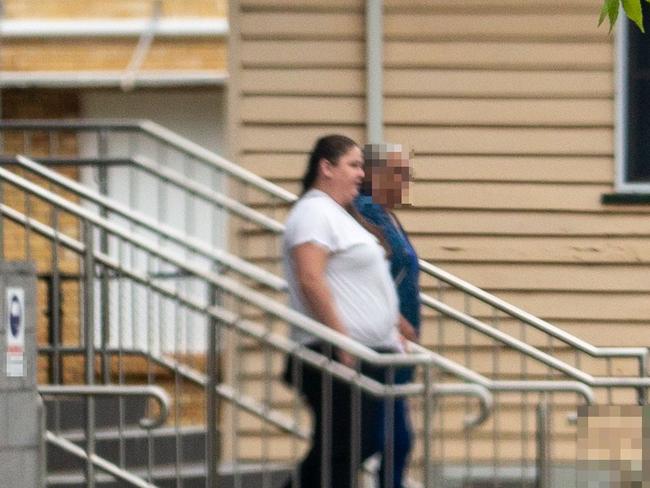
(613,446)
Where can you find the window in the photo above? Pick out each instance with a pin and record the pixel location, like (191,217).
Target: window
(633,107)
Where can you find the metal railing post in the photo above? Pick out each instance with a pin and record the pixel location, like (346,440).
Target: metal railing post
(89,343)
(102,180)
(55,308)
(211,406)
(643,372)
(428,424)
(543,465)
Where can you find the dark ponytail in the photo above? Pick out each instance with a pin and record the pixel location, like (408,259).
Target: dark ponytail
(329,147)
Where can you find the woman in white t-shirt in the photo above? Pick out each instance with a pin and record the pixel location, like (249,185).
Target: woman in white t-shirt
(338,274)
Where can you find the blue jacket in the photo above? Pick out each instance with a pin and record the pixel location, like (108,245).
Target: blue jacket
(404,261)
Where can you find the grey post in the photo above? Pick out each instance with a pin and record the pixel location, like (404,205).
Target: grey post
(21,435)
(543,475)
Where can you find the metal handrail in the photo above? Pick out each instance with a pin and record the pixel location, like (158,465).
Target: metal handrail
(277,341)
(97,461)
(155,392)
(222,257)
(230,319)
(284,312)
(278,283)
(207,194)
(164,174)
(277,191)
(125,212)
(163,135)
(504,338)
(511,385)
(486,400)
(219,163)
(533,352)
(223,283)
(243,401)
(637,352)
(71,124)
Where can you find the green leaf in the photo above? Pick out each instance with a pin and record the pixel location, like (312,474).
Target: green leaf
(610,10)
(633,10)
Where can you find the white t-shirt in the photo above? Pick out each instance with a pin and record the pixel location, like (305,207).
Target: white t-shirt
(357,271)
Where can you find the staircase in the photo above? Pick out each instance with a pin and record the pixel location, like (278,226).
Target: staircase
(167,457)
(161,280)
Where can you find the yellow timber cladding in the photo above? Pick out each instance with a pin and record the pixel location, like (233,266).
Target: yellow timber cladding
(508,106)
(110,53)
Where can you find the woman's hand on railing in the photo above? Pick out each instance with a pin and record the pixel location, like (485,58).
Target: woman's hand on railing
(346,358)
(407,330)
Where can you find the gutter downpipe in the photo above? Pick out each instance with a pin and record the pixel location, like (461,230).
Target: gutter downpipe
(374,71)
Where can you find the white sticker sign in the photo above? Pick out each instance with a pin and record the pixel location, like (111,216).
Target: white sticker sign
(15,332)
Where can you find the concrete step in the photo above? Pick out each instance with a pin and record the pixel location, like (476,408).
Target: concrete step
(191,475)
(70,413)
(138,445)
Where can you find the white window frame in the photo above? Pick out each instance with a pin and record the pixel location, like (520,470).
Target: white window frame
(621,96)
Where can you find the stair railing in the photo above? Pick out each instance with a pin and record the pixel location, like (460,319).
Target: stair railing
(92,391)
(210,160)
(263,277)
(87,454)
(494,386)
(99,462)
(159,261)
(223,259)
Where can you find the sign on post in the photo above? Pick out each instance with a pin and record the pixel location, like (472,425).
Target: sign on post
(15,306)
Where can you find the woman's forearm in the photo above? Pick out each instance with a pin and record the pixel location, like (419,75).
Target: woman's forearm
(311,262)
(321,303)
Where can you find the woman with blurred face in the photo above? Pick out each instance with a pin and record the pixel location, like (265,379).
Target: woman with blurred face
(337,273)
(388,173)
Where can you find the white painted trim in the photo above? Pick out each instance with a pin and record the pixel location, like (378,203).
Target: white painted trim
(621,96)
(65,28)
(109,79)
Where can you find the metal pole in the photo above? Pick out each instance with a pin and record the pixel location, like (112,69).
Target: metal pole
(89,343)
(543,474)
(102,175)
(374,71)
(643,372)
(429,405)
(212,425)
(54,306)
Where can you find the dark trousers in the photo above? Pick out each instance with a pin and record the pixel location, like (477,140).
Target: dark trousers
(402,437)
(334,417)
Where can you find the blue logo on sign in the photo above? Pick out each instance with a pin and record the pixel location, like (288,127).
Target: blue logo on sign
(15,315)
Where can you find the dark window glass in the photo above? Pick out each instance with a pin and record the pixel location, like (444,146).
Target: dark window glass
(638,103)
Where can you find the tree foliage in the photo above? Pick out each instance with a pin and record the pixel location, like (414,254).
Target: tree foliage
(632,9)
